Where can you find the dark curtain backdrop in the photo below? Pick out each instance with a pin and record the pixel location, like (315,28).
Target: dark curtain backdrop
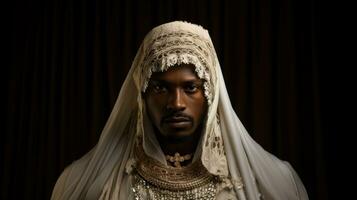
(69,59)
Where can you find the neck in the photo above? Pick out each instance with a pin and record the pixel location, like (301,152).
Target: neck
(183,145)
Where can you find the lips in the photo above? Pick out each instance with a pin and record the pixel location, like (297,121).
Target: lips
(178,121)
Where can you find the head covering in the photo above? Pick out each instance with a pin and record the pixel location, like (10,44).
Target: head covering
(225,148)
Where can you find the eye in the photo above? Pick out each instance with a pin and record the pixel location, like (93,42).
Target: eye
(191,88)
(159,88)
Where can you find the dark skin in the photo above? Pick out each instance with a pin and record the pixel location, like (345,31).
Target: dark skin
(176,106)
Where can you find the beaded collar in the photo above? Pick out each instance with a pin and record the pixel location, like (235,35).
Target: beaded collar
(168,177)
(166,182)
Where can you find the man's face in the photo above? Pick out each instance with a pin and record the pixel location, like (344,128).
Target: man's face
(175,102)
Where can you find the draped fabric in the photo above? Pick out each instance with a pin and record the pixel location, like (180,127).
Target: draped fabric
(70,58)
(254,173)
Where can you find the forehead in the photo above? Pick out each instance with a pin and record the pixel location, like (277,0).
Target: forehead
(183,72)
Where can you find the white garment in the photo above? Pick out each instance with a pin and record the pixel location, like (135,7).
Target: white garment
(253,172)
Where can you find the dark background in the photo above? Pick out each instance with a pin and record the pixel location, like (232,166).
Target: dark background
(69,59)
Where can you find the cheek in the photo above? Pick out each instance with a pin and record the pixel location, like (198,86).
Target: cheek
(154,108)
(199,107)
(203,109)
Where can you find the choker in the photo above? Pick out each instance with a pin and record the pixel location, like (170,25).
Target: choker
(168,177)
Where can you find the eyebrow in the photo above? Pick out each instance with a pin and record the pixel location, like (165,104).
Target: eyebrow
(194,80)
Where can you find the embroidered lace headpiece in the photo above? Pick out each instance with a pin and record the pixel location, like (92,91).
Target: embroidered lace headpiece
(184,43)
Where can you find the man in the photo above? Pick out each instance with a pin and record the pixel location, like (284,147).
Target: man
(173,133)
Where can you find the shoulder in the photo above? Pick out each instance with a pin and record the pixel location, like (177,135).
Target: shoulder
(61,183)
(296,181)
(70,176)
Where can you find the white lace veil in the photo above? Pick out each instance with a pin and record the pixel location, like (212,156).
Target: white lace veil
(225,149)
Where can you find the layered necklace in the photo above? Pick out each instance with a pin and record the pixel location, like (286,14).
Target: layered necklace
(155,180)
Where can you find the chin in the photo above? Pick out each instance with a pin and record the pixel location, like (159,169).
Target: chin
(178,132)
(179,135)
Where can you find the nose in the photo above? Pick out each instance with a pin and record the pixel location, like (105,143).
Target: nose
(176,101)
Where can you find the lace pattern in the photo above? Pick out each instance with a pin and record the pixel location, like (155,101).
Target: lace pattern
(177,48)
(213,150)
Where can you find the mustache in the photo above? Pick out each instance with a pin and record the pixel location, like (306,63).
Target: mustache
(176,116)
